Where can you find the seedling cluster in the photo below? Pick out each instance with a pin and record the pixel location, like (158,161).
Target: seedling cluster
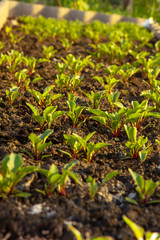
(67,99)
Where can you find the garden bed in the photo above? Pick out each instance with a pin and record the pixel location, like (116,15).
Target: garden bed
(102,215)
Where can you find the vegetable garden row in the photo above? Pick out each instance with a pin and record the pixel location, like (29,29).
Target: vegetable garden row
(79,130)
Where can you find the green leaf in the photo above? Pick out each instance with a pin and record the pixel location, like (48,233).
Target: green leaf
(99,119)
(45,135)
(79,110)
(43,171)
(54,179)
(37,79)
(40,191)
(137,230)
(35,140)
(98,146)
(81,140)
(23,194)
(110,176)
(13,162)
(131,133)
(76,233)
(34,109)
(87,137)
(137,178)
(42,146)
(74,176)
(66,153)
(53,170)
(130,200)
(71,105)
(150,187)
(70,165)
(98,112)
(152,236)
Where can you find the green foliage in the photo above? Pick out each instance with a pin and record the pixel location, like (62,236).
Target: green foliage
(61,67)
(145,188)
(139,232)
(13,60)
(114,52)
(153,96)
(32,63)
(113,121)
(39,143)
(76,65)
(126,72)
(110,83)
(58,181)
(90,149)
(13,37)
(11,173)
(113,100)
(66,44)
(78,235)
(140,111)
(1,45)
(69,82)
(95,98)
(49,116)
(93,186)
(46,98)
(75,144)
(12,94)
(136,145)
(74,111)
(49,52)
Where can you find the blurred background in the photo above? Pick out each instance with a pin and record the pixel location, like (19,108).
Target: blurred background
(135,8)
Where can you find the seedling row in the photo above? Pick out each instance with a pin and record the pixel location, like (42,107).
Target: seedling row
(81,107)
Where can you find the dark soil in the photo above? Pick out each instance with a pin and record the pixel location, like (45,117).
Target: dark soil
(101,216)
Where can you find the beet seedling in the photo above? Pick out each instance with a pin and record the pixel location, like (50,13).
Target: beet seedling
(126,72)
(46,98)
(95,98)
(145,188)
(13,60)
(11,173)
(76,65)
(93,186)
(61,67)
(153,96)
(49,52)
(108,83)
(140,111)
(49,115)
(32,63)
(39,143)
(74,111)
(68,82)
(58,181)
(136,145)
(112,71)
(75,145)
(66,44)
(113,100)
(90,149)
(139,232)
(113,121)
(12,94)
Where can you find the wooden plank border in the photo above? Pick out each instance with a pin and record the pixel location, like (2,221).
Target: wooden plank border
(13,8)
(4,12)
